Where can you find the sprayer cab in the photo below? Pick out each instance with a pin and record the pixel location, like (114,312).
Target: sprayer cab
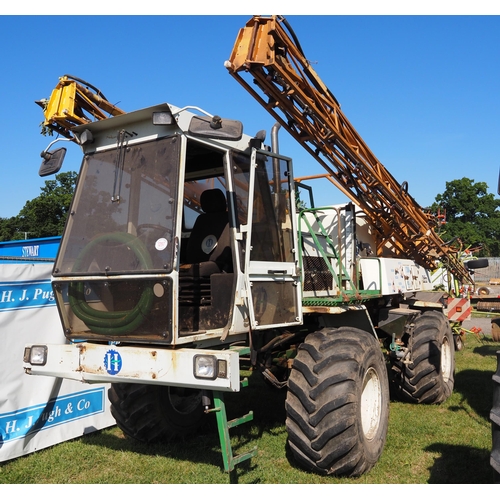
(179,230)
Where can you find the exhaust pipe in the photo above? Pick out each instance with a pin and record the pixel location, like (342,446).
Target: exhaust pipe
(274,138)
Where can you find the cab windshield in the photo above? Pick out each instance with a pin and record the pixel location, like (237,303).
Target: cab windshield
(123,215)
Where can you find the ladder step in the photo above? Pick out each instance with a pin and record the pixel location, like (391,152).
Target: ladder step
(237,421)
(241,350)
(244,456)
(223,424)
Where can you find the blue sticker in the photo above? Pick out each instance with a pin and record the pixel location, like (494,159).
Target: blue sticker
(112,362)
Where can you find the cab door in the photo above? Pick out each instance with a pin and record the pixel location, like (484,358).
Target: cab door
(271,258)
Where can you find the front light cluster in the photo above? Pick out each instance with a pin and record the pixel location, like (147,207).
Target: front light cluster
(209,367)
(36,355)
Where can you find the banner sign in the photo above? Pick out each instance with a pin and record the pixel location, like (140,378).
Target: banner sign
(36,411)
(26,294)
(57,411)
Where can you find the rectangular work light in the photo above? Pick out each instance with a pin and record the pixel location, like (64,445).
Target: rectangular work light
(36,355)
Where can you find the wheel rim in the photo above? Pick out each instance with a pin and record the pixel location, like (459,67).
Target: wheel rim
(371,403)
(446,360)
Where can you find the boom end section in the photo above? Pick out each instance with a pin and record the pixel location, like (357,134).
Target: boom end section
(254,45)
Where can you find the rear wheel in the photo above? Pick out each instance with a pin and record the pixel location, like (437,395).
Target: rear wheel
(429,377)
(459,342)
(152,413)
(337,404)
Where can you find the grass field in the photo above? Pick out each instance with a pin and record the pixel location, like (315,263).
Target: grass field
(450,443)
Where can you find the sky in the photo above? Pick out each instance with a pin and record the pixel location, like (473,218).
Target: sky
(421,86)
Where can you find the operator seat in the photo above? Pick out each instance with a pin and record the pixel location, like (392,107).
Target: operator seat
(209,244)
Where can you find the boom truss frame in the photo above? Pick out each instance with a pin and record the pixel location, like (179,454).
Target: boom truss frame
(285,84)
(75,102)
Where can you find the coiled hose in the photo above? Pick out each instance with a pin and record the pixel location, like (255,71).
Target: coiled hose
(112,322)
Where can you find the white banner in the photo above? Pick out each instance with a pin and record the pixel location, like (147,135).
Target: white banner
(37,411)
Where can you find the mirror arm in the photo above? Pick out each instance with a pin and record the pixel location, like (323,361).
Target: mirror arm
(45,153)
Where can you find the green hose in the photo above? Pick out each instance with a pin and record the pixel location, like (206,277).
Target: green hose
(112,322)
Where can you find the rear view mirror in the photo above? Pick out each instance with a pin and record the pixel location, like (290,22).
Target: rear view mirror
(216,128)
(52,162)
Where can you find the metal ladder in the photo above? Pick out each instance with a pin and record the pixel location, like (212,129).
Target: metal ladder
(223,424)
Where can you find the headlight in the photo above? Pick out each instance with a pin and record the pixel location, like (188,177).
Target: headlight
(38,355)
(205,367)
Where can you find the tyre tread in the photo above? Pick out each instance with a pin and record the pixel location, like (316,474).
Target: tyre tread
(322,416)
(421,381)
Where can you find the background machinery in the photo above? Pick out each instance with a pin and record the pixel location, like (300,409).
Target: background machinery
(190,245)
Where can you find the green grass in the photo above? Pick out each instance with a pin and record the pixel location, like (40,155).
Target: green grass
(449,443)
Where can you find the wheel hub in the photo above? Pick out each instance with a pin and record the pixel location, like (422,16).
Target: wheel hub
(446,360)
(371,403)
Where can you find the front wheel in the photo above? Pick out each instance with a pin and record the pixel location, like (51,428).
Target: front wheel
(337,404)
(151,413)
(429,377)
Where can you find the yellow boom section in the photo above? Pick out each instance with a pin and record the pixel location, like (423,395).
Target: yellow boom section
(75,102)
(283,81)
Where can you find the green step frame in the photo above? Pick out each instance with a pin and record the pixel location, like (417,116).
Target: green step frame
(223,425)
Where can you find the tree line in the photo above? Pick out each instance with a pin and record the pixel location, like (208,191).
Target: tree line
(469,215)
(44,215)
(472,216)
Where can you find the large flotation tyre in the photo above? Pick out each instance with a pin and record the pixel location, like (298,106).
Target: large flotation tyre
(429,378)
(337,406)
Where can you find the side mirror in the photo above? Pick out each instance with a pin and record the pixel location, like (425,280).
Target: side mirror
(52,162)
